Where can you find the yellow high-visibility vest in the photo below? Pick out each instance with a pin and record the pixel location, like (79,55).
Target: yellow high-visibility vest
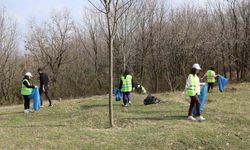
(193,87)
(210,76)
(126,83)
(25,90)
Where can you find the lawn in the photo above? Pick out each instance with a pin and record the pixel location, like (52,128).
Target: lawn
(83,124)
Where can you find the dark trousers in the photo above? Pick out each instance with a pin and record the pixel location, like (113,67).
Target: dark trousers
(126,97)
(210,85)
(194,101)
(26,101)
(46,92)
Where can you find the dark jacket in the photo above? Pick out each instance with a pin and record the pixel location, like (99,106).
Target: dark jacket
(44,80)
(120,86)
(27,84)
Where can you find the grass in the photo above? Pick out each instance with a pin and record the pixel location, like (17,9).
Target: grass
(83,124)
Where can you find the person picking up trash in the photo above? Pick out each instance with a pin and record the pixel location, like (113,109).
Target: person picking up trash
(26,91)
(192,89)
(44,86)
(126,87)
(210,74)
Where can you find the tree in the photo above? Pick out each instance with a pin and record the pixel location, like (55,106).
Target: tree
(113,11)
(90,42)
(8,58)
(50,43)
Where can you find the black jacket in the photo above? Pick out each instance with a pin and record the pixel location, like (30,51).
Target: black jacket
(28,85)
(120,86)
(44,80)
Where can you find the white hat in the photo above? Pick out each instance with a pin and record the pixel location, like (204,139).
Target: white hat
(28,74)
(196,66)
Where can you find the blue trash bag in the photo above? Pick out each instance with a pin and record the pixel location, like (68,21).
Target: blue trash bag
(118,94)
(222,83)
(202,98)
(36,99)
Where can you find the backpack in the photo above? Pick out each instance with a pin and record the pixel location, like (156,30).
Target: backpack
(151,100)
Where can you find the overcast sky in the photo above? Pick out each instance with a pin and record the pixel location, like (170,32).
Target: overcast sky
(24,10)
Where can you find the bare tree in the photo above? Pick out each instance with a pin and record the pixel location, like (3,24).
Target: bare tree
(89,38)
(8,57)
(113,12)
(50,43)
(244,15)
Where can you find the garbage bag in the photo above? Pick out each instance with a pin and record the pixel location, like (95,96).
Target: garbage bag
(222,83)
(202,98)
(118,94)
(36,99)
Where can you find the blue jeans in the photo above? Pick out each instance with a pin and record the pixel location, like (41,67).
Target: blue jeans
(126,97)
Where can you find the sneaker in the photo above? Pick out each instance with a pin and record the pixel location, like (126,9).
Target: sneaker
(26,111)
(191,118)
(200,118)
(30,110)
(51,105)
(125,105)
(129,102)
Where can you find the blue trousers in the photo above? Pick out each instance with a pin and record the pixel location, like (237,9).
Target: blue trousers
(126,97)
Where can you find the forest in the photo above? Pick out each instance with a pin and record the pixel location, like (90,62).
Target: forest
(157,42)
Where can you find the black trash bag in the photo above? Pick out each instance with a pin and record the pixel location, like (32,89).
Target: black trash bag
(151,100)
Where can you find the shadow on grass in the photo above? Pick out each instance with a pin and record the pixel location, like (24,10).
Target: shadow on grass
(93,106)
(31,126)
(10,113)
(156,111)
(176,117)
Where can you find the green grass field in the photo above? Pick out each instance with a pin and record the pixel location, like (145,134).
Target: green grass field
(83,124)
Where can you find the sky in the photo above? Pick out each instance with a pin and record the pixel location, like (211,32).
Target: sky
(23,10)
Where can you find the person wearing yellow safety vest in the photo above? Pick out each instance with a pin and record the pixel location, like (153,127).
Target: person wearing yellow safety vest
(126,87)
(192,89)
(26,91)
(210,74)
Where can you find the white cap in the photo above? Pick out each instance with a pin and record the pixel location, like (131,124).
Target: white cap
(196,66)
(28,74)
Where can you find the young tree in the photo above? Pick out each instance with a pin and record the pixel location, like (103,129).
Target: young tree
(113,11)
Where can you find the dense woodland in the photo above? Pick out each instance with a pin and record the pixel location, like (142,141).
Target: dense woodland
(155,40)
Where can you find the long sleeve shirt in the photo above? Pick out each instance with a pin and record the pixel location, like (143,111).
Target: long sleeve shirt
(44,80)
(28,84)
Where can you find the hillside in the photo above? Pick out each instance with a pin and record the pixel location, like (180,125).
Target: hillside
(83,124)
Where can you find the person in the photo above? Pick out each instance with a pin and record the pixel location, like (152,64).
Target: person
(193,90)
(126,87)
(26,91)
(210,74)
(44,86)
(140,89)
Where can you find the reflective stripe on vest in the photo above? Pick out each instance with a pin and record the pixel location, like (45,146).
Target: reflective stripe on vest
(210,76)
(192,89)
(126,83)
(25,90)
